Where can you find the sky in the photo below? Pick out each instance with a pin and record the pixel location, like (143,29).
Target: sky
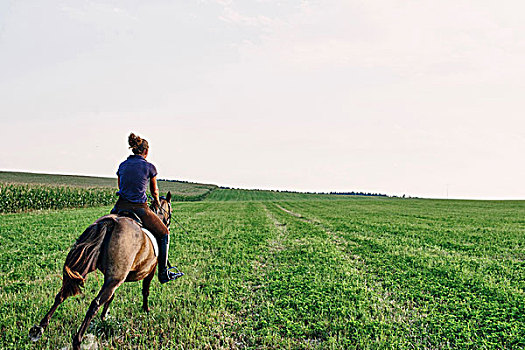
(423,98)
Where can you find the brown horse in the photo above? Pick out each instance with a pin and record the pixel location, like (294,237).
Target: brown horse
(117,247)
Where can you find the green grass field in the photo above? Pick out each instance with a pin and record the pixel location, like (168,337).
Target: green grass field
(355,273)
(262,195)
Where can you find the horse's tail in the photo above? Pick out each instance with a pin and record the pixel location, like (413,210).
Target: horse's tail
(83,256)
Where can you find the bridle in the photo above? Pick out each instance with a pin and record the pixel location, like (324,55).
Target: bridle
(167,213)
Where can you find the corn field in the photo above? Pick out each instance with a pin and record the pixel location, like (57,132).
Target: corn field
(23,197)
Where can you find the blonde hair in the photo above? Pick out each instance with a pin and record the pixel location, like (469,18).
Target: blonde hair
(138,145)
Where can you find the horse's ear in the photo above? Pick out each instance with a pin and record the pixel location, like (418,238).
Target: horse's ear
(168,196)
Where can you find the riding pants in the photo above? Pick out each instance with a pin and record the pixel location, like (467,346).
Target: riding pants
(150,220)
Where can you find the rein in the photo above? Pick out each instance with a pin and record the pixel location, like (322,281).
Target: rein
(166,213)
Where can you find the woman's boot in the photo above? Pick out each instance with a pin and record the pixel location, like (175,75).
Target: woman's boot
(165,275)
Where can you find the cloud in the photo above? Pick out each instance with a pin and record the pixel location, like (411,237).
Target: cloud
(235,17)
(96,12)
(413,39)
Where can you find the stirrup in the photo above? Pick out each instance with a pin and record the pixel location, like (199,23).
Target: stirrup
(168,275)
(174,275)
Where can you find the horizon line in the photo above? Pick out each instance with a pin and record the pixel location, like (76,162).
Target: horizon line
(407,196)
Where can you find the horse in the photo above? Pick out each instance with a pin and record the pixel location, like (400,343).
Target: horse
(117,246)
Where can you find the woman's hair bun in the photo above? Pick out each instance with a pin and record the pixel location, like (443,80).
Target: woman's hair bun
(134,140)
(138,145)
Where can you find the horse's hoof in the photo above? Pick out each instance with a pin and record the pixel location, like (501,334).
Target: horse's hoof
(89,342)
(146,309)
(35,333)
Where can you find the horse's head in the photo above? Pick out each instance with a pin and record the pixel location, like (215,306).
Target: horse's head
(164,211)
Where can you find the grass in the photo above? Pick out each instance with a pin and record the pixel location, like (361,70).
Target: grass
(361,273)
(264,195)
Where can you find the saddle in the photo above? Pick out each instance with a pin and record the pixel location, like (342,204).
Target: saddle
(132,215)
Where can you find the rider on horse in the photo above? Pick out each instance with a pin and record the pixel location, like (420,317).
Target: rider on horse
(134,175)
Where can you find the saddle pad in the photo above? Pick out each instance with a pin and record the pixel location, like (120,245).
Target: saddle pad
(153,240)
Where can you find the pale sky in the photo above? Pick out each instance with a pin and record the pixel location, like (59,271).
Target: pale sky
(397,97)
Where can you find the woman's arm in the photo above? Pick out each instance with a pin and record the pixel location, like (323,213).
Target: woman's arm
(154,190)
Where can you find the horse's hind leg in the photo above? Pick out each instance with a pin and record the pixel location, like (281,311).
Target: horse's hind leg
(105,294)
(145,290)
(106,307)
(35,333)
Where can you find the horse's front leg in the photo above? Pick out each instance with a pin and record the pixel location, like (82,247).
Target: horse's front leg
(145,290)
(105,294)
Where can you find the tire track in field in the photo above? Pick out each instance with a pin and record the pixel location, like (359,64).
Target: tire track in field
(292,213)
(391,309)
(264,262)
(338,241)
(277,243)
(280,243)
(252,314)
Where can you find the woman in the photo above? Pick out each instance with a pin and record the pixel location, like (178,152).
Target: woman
(134,175)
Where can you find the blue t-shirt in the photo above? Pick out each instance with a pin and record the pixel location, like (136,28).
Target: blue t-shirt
(135,173)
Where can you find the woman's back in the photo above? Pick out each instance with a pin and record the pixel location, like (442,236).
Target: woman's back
(134,176)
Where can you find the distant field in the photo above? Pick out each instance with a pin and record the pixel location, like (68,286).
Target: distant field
(360,273)
(51,179)
(262,195)
(186,190)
